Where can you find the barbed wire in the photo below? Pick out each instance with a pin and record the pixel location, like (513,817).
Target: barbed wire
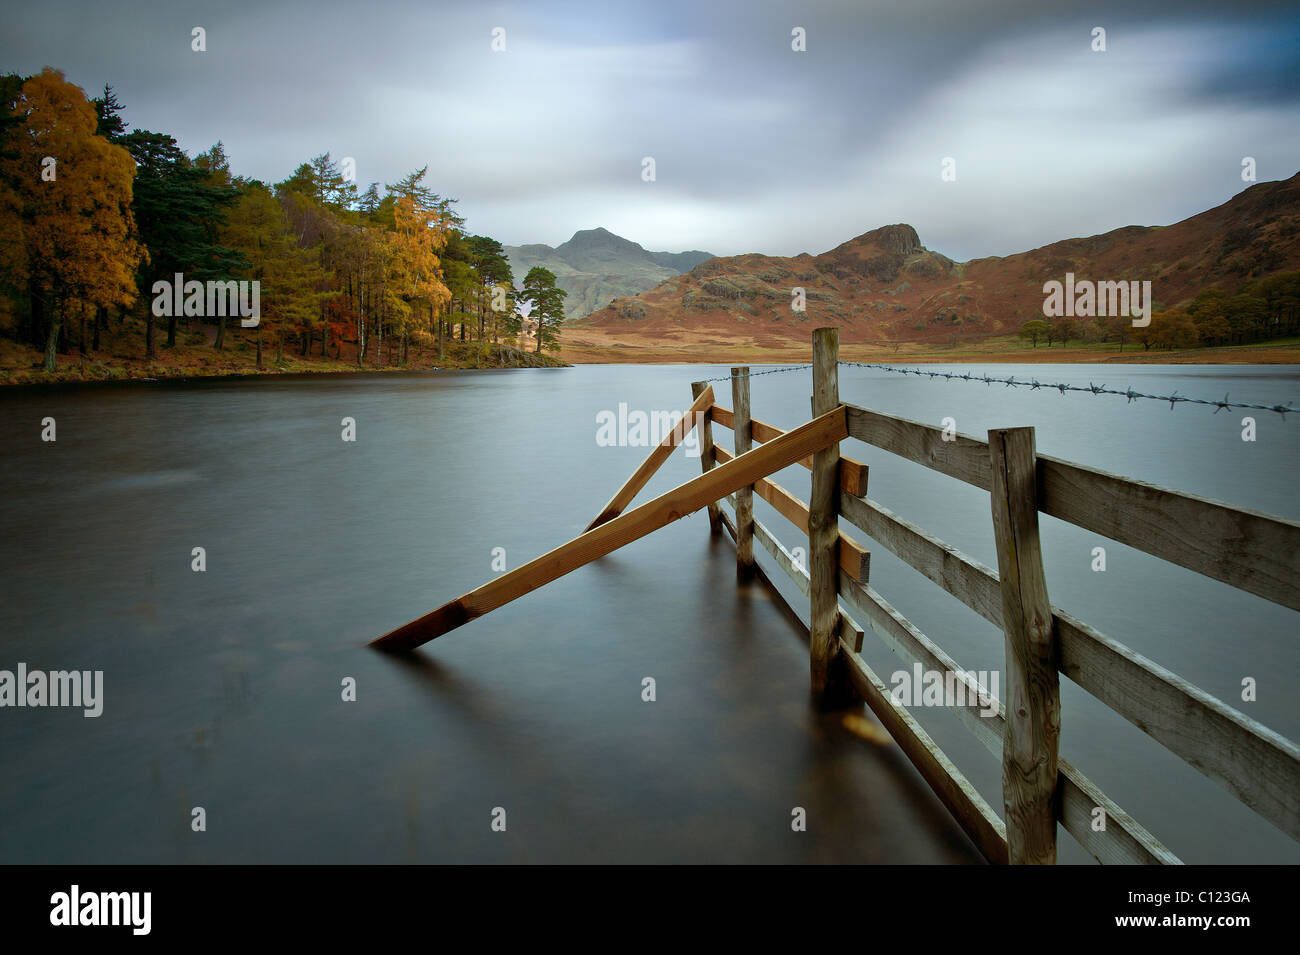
(1033,384)
(755,374)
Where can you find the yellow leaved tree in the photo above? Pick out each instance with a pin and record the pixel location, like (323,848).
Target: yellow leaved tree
(420,233)
(75,191)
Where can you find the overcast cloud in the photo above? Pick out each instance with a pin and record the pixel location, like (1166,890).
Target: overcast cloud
(757,147)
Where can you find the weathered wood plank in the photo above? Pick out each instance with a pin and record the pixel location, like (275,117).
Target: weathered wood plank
(1257,765)
(1029,748)
(847,628)
(724,417)
(786,560)
(853,474)
(824,526)
(965,578)
(596,543)
(964,457)
(1124,840)
(654,460)
(1254,552)
(745,496)
(706,449)
(973,814)
(853,557)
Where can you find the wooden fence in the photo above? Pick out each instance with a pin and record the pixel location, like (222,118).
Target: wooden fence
(1248,550)
(1253,552)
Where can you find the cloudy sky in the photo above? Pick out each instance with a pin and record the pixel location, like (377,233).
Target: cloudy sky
(757,147)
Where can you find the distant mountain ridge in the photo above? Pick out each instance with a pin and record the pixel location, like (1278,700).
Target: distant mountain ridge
(596,266)
(885,286)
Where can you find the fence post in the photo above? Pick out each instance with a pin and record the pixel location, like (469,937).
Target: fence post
(829,682)
(1033,698)
(706,454)
(745,496)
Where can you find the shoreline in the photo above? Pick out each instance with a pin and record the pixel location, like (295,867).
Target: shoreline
(296,374)
(20,367)
(136,372)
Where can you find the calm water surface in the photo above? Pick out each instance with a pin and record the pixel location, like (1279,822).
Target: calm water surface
(223,688)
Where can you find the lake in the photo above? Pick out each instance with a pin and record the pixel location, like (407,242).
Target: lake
(224,689)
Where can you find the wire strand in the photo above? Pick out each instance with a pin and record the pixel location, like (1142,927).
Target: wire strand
(1033,384)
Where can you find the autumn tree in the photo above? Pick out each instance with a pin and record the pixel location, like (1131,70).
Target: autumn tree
(292,283)
(1174,328)
(1120,327)
(13,248)
(419,235)
(75,190)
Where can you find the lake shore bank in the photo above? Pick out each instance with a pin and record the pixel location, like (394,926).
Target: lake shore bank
(22,367)
(594,350)
(126,361)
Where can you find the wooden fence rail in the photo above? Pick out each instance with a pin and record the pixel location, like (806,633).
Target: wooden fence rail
(607,538)
(1254,552)
(1250,551)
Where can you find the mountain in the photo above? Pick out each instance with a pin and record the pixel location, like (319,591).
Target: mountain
(596,266)
(885,285)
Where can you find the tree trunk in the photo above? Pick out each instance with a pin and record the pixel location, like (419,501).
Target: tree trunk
(171,331)
(101,319)
(81,339)
(279,351)
(38,314)
(259,346)
(220,343)
(52,342)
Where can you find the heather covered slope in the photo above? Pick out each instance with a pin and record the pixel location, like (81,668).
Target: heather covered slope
(885,286)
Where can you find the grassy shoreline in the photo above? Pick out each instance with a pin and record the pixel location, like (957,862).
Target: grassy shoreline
(126,362)
(1001,350)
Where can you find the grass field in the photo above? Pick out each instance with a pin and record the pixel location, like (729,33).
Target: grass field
(123,357)
(1006,349)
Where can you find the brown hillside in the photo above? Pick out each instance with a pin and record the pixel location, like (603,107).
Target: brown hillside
(885,286)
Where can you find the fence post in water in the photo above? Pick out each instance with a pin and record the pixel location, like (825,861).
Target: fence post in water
(1033,700)
(706,454)
(745,496)
(829,682)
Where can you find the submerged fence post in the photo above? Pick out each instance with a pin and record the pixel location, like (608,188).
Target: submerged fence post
(1033,700)
(706,454)
(745,496)
(829,683)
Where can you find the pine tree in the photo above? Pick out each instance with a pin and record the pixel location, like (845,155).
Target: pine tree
(546,306)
